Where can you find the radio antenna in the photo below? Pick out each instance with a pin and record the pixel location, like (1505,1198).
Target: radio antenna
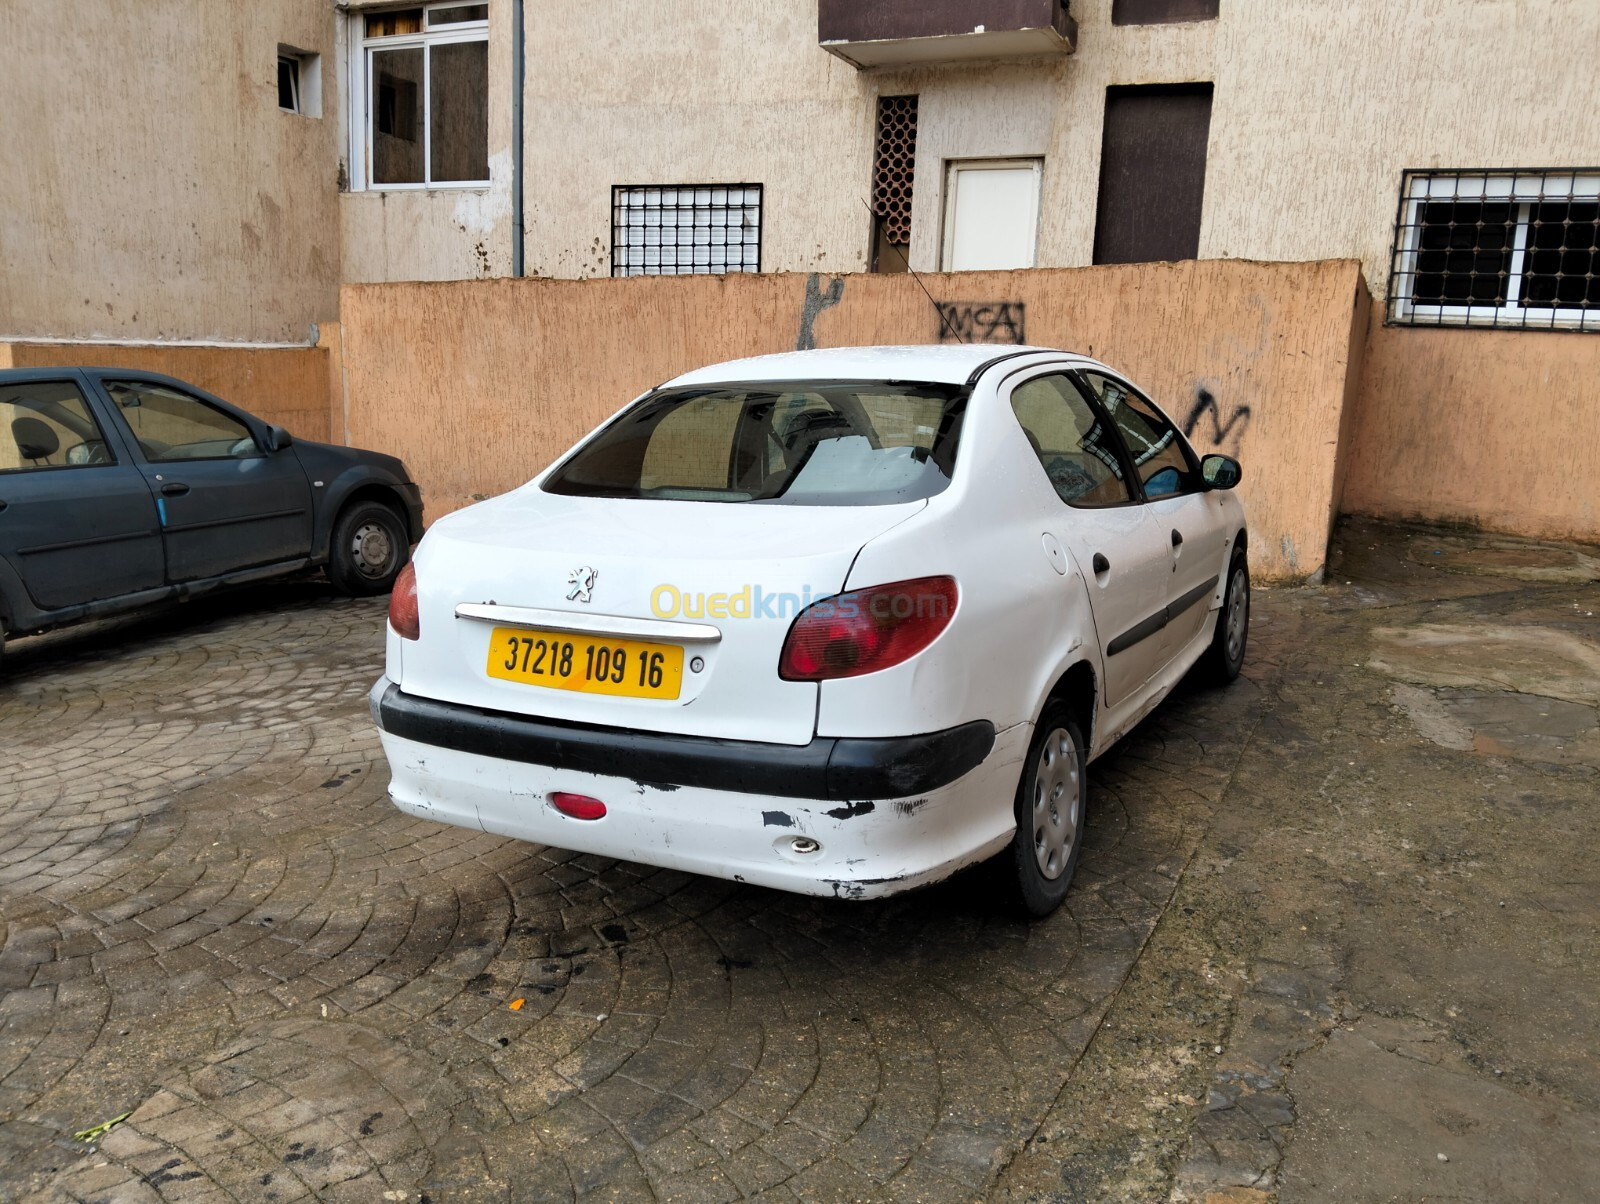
(905,259)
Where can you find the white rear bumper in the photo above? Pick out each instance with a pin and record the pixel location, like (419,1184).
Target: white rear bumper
(865,849)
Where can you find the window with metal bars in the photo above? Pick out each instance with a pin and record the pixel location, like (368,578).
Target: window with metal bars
(685,229)
(1518,249)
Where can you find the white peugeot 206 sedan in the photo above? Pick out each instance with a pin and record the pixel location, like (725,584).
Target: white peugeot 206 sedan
(838,622)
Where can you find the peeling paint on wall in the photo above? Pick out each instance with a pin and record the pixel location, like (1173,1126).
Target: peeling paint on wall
(480,211)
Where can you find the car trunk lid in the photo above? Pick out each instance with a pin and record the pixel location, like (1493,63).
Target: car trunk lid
(719,582)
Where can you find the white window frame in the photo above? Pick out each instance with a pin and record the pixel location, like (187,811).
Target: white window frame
(361,50)
(1521,188)
(307,80)
(293,61)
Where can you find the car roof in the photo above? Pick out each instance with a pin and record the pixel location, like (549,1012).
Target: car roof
(949,363)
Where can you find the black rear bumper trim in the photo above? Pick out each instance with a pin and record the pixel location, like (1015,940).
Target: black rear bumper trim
(830,767)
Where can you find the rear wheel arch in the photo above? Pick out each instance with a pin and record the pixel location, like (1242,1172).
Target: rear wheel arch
(8,621)
(17,612)
(1079,691)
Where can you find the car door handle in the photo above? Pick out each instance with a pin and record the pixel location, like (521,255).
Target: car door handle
(4,504)
(174,489)
(1101,564)
(1177,538)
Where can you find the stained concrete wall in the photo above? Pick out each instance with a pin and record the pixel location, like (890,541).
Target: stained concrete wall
(289,386)
(442,233)
(1318,109)
(152,187)
(1499,429)
(1250,358)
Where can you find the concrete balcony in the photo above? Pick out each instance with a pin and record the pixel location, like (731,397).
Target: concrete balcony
(909,33)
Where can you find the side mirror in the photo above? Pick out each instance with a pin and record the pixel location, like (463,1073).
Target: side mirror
(1220,472)
(278,439)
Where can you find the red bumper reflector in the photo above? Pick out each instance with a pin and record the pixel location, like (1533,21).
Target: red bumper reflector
(579,806)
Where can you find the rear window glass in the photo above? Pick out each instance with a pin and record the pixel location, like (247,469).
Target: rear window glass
(795,443)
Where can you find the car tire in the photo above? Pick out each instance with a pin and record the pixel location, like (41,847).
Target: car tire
(1051,802)
(368,549)
(1225,657)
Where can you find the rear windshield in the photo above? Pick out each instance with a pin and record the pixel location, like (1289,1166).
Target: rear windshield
(811,443)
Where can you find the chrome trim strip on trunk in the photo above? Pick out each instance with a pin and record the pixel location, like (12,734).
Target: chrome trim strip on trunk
(586,624)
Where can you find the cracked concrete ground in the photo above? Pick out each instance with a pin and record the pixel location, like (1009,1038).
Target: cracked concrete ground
(1333,939)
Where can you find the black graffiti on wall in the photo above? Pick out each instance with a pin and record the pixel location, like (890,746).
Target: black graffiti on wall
(1224,433)
(981,321)
(816,301)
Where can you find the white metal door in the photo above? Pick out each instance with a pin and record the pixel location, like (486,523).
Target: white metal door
(991,218)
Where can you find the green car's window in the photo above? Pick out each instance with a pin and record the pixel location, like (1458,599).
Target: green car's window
(47,424)
(171,425)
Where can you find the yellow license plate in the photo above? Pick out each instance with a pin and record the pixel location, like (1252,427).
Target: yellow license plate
(586,664)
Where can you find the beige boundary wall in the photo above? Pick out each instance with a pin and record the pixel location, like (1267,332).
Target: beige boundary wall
(291,386)
(479,384)
(1499,429)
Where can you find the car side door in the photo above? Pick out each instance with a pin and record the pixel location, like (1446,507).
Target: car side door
(1177,500)
(226,502)
(77,521)
(1119,548)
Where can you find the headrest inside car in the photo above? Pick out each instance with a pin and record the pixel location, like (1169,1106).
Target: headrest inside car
(35,439)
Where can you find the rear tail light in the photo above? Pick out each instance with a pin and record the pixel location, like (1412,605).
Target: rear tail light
(579,806)
(403,605)
(866,630)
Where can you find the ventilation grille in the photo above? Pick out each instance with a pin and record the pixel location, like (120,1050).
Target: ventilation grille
(895,168)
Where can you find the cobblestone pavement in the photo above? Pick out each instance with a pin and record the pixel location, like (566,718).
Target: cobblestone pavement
(1330,924)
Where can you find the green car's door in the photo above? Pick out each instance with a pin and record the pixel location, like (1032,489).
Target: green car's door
(226,502)
(77,522)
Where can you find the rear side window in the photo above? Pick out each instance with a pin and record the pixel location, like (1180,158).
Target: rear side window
(47,424)
(1074,447)
(804,443)
(1159,456)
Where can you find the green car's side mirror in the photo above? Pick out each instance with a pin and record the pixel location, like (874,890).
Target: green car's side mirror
(1220,472)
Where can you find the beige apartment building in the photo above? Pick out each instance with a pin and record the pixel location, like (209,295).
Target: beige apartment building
(188,172)
(166,194)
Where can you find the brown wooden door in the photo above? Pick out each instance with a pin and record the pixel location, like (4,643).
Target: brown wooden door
(1152,173)
(1161,12)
